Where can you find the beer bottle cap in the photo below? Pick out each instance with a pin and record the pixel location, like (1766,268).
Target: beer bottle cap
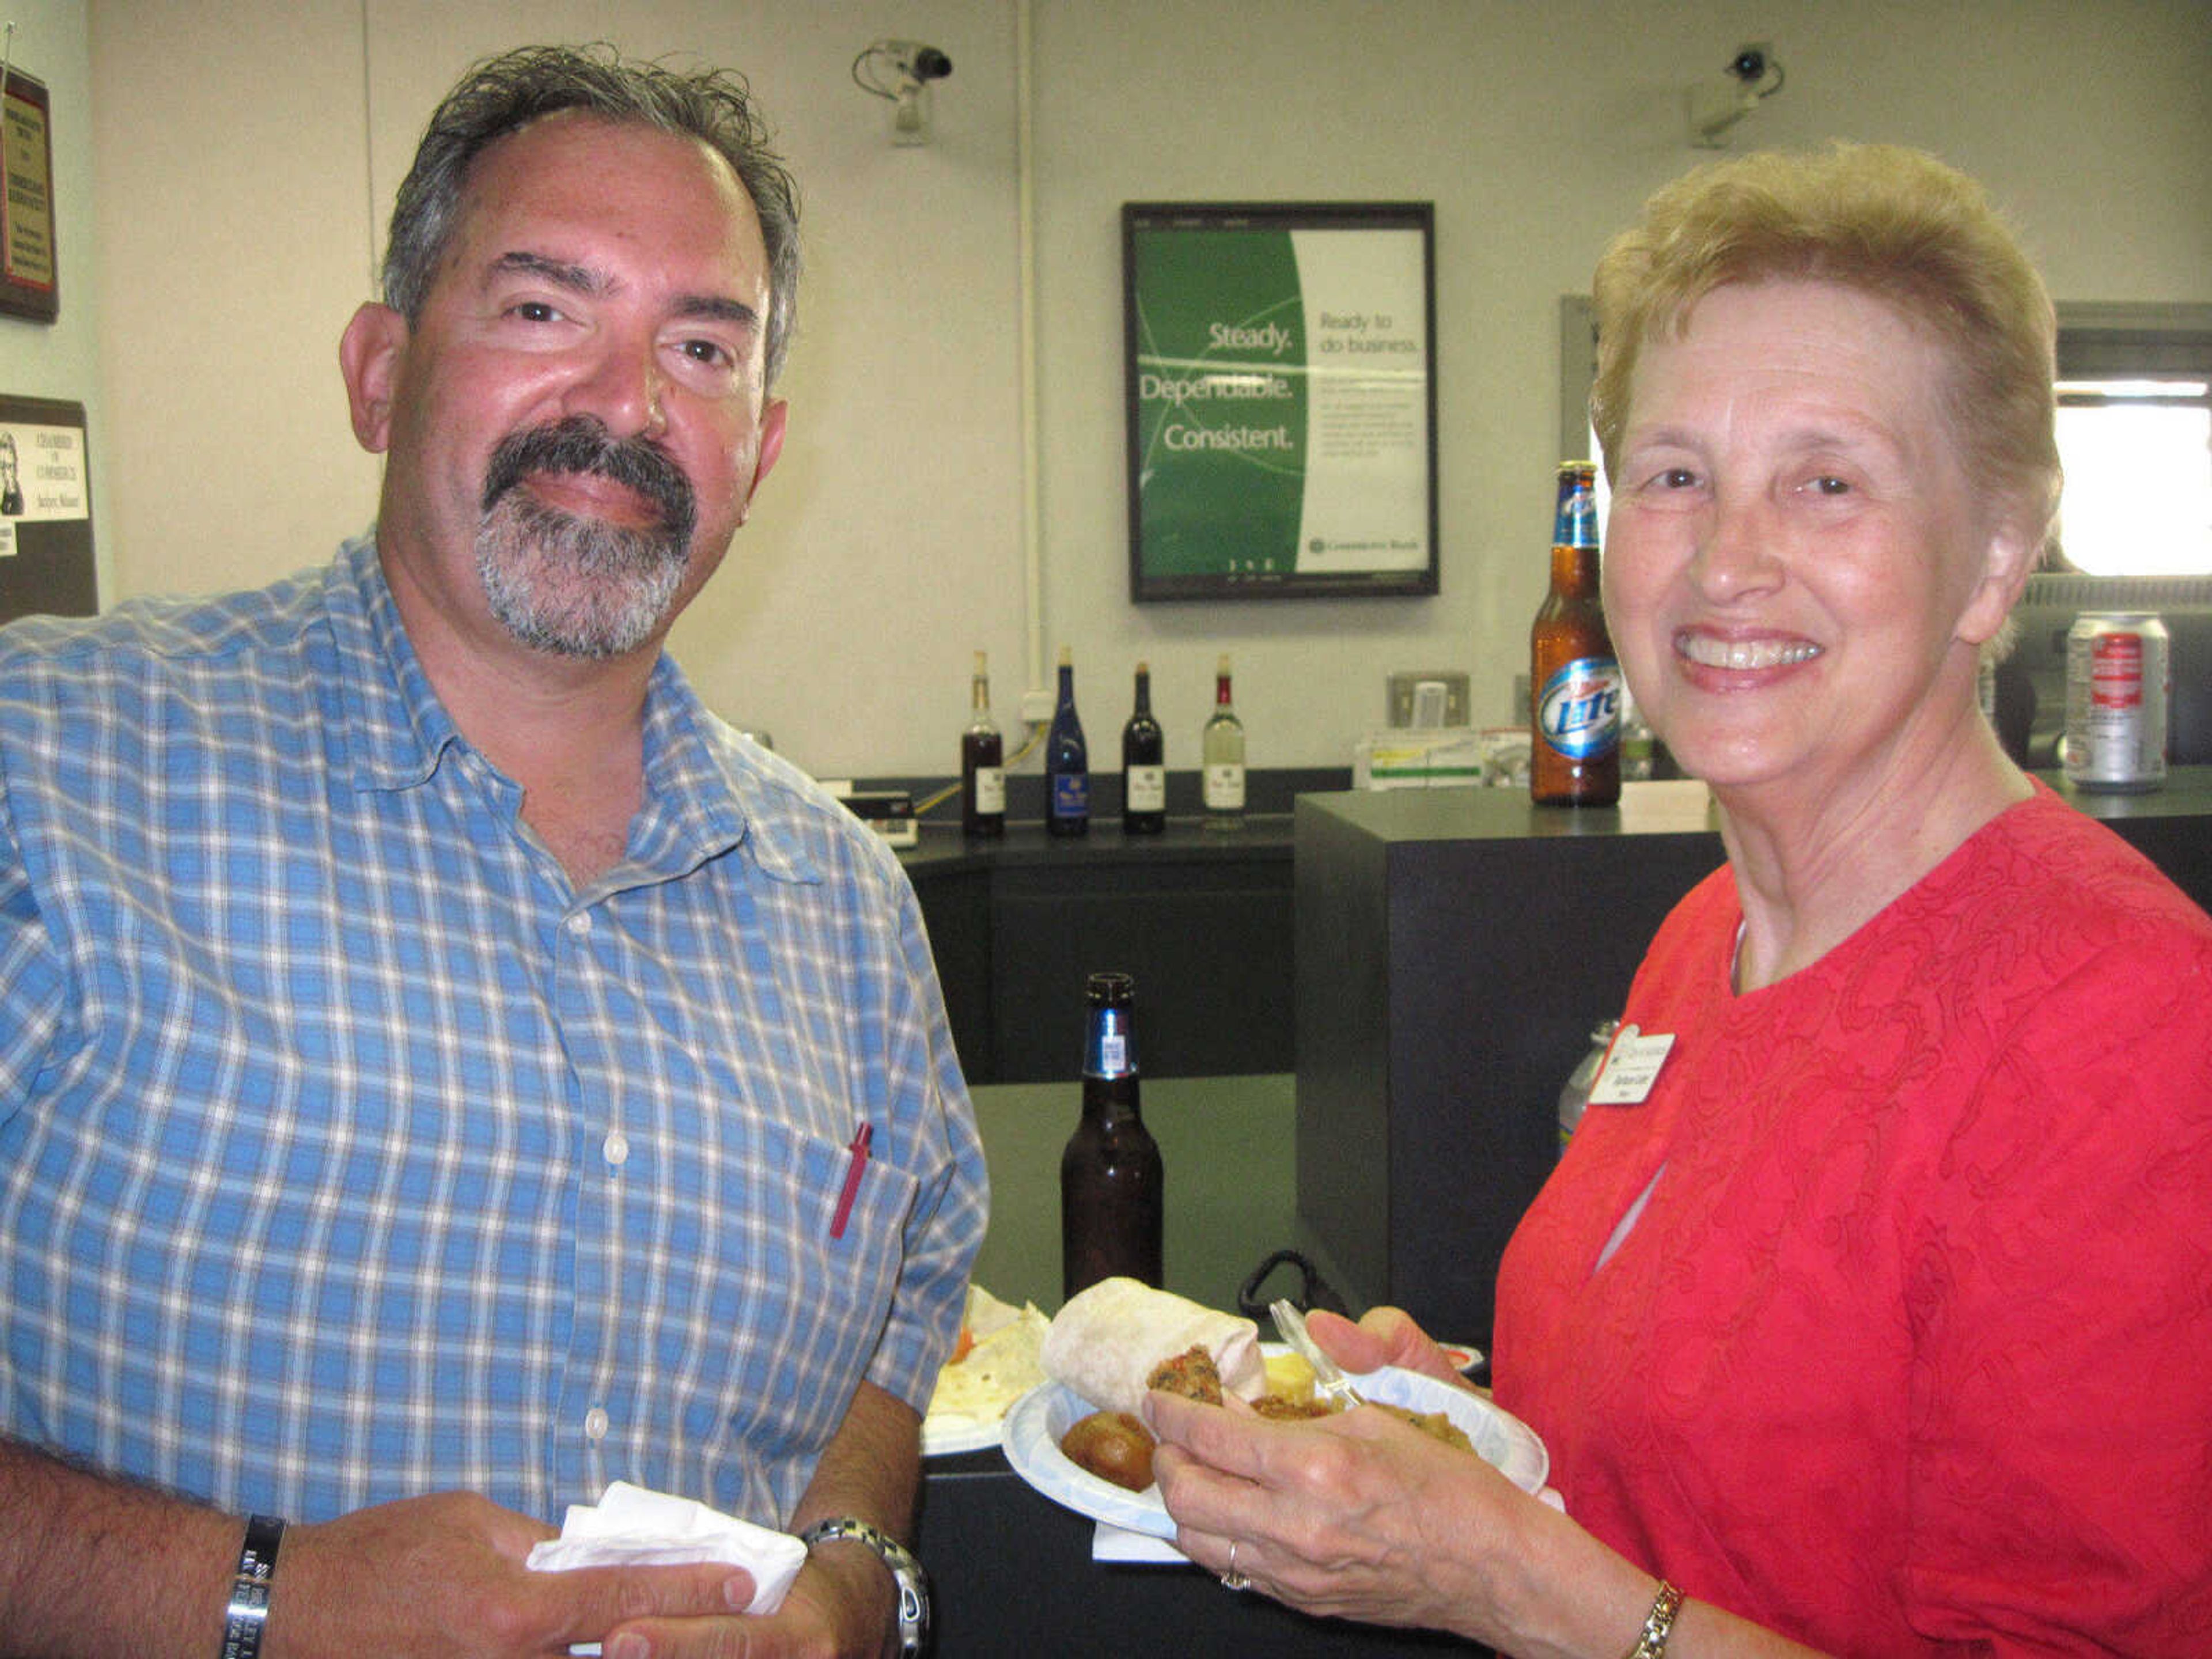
(1111,990)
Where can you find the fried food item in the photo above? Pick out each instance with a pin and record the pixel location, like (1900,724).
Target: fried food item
(1112,1446)
(1191,1374)
(1435,1425)
(1282,1408)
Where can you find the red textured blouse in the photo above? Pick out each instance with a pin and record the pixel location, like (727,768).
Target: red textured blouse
(1911,1349)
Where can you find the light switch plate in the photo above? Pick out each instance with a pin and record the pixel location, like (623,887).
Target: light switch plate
(1401,685)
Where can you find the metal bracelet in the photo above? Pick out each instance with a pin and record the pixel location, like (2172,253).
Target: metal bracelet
(1658,1624)
(247,1616)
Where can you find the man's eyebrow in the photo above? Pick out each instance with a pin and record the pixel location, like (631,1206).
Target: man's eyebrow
(717,309)
(561,273)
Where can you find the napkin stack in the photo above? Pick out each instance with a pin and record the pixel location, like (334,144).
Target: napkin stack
(630,1526)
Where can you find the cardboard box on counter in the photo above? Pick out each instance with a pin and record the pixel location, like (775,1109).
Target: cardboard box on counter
(1406,758)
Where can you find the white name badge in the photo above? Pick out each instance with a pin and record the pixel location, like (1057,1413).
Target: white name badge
(1631,1066)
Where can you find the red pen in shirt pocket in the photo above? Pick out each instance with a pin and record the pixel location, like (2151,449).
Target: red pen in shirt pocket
(855,1167)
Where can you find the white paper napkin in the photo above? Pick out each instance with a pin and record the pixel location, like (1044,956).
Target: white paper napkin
(1111,1543)
(631,1526)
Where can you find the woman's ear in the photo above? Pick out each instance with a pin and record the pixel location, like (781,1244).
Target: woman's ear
(2011,555)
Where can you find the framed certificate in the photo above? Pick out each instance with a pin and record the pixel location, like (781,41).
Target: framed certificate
(29,285)
(46,510)
(1282,400)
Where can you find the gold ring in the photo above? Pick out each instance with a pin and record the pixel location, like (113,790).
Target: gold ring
(1233,1579)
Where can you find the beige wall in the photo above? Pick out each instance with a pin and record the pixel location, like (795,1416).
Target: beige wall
(248,150)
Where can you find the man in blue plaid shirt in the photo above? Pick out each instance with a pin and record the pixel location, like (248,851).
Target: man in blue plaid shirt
(443,1068)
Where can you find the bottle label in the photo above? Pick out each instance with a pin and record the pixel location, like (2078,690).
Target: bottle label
(1575,525)
(1579,712)
(990,788)
(1147,788)
(1225,789)
(1111,1055)
(1071,795)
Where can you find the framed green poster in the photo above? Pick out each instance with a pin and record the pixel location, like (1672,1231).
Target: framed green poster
(1282,399)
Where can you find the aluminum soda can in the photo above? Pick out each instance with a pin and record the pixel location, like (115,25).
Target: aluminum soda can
(2116,689)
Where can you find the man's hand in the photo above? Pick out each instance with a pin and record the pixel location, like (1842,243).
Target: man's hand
(444,1575)
(840,1607)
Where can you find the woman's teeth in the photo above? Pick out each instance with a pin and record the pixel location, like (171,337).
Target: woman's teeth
(1744,654)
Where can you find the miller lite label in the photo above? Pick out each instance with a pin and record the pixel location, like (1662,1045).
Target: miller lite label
(1578,713)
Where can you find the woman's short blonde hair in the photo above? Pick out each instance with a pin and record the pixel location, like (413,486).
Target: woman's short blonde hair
(1893,223)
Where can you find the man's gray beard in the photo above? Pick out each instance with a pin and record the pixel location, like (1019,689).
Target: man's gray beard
(574,586)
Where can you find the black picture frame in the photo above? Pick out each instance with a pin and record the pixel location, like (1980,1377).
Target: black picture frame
(30,262)
(1282,400)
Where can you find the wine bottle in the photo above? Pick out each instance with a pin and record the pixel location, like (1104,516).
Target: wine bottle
(1067,762)
(1111,1182)
(982,762)
(1144,771)
(1223,745)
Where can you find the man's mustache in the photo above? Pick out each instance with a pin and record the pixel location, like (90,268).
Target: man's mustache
(581,443)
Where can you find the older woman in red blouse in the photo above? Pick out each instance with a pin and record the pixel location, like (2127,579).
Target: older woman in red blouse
(1882,1323)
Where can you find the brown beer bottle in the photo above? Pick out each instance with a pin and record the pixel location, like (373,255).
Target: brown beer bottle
(1574,683)
(1111,1184)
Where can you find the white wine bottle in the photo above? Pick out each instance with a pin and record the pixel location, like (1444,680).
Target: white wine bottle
(1223,751)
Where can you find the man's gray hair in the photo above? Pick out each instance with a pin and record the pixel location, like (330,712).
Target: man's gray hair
(500,95)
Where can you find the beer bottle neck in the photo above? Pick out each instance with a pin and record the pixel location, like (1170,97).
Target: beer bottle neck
(1574,571)
(1110,1054)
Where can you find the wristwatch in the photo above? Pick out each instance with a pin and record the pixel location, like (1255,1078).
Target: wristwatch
(912,1580)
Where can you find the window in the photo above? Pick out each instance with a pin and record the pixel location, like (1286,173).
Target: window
(2135,431)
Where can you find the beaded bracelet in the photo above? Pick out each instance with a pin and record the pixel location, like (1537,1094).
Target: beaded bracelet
(1658,1624)
(249,1588)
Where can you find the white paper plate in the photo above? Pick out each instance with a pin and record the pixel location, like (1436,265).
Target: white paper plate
(943,1435)
(1041,1416)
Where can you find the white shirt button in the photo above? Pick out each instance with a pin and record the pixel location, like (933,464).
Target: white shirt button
(617,1148)
(580,924)
(595,1424)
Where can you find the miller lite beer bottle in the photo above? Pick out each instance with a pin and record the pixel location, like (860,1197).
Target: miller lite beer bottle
(1574,683)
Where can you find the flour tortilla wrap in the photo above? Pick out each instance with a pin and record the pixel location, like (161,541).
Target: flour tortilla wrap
(1108,1339)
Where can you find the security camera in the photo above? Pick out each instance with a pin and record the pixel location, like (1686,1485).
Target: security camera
(905,62)
(1755,68)
(900,71)
(1755,73)
(927,63)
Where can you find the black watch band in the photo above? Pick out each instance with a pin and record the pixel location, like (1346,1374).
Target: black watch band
(912,1580)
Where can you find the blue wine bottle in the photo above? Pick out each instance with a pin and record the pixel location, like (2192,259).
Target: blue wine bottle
(1067,762)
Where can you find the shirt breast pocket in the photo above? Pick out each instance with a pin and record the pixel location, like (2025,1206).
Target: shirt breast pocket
(811,1298)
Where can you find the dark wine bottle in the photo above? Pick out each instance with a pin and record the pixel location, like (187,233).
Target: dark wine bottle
(1112,1185)
(1067,762)
(1144,771)
(982,762)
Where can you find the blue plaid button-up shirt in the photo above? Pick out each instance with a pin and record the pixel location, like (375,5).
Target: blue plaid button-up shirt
(347,1152)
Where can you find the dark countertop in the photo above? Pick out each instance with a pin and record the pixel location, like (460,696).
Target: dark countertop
(943,848)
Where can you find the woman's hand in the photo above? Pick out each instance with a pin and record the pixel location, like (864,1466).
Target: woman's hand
(1385,1336)
(1359,1515)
